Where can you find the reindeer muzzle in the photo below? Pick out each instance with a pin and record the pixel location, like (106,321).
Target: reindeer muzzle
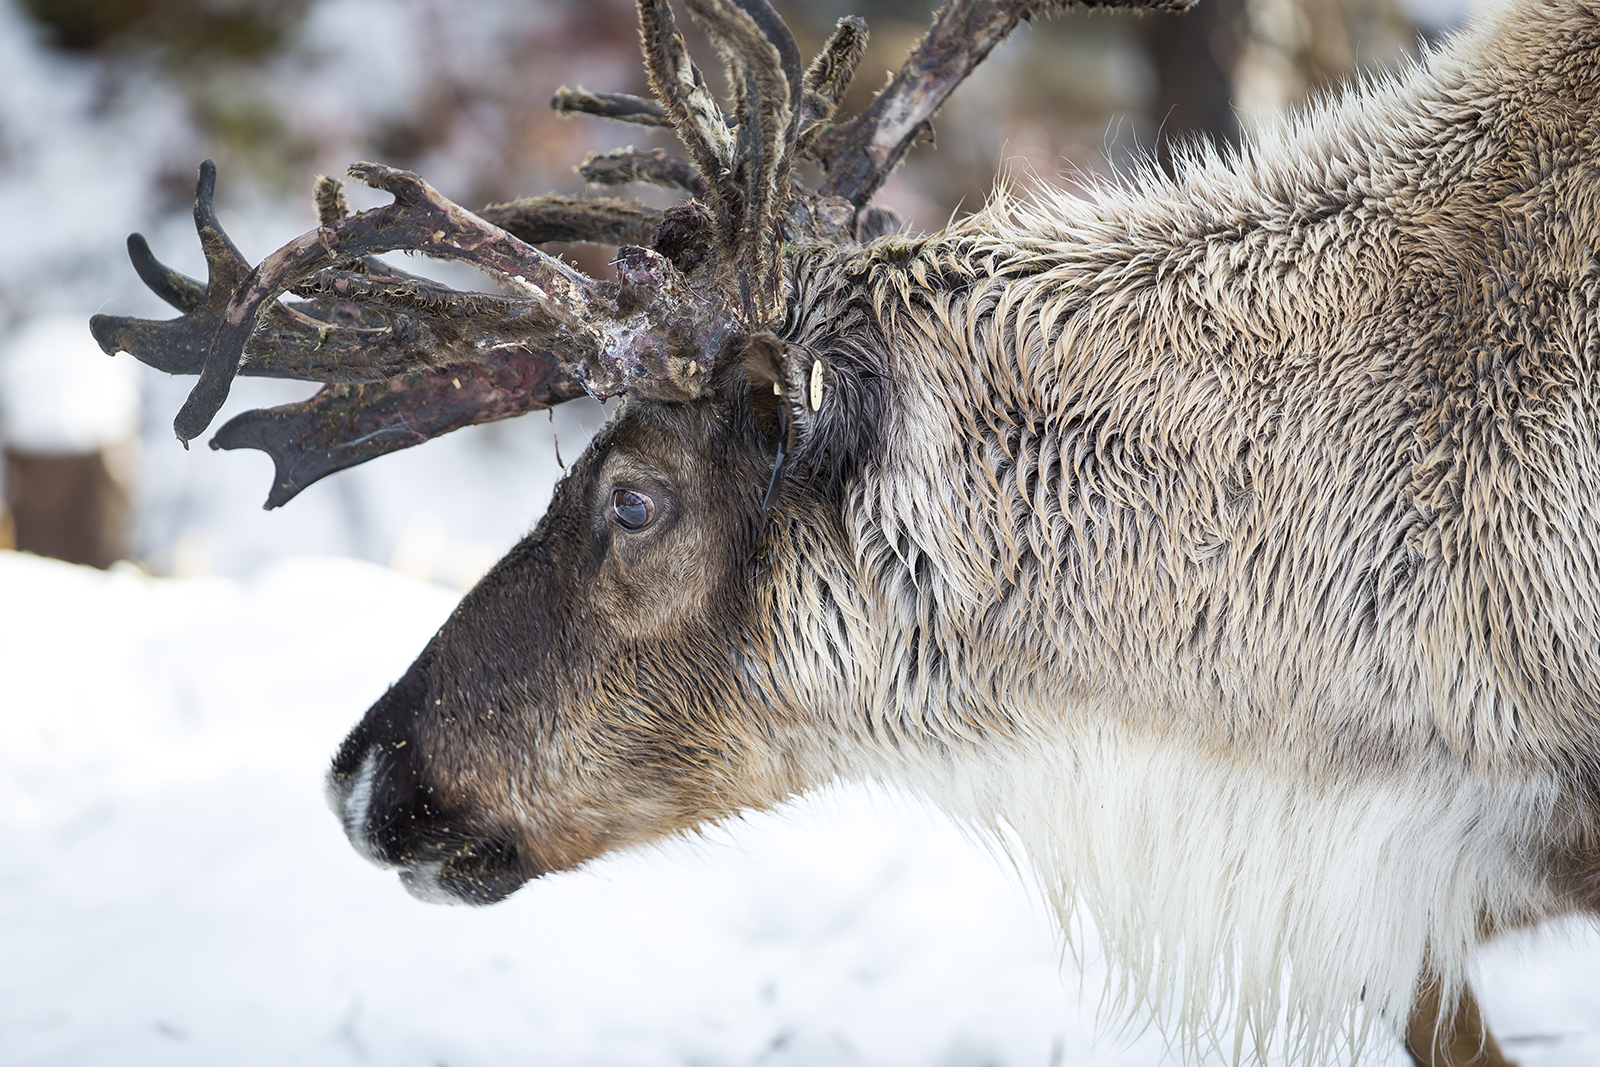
(388,813)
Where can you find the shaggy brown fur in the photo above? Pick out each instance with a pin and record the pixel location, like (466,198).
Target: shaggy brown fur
(1231,545)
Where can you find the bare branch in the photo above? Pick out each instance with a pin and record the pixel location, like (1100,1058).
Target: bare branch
(624,107)
(651,167)
(861,153)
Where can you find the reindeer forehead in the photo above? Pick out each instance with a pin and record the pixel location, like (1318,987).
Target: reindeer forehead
(676,440)
(645,449)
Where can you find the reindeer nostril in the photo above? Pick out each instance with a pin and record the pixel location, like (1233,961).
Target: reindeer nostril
(350,798)
(336,790)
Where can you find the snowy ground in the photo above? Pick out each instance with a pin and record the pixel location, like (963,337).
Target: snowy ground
(172,890)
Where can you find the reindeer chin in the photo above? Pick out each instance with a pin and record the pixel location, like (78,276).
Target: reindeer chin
(423,882)
(479,874)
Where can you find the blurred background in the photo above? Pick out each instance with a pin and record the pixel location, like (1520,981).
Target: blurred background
(108,106)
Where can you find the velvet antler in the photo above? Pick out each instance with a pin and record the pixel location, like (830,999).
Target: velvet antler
(404,358)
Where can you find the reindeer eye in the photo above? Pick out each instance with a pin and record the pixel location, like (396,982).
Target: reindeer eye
(631,509)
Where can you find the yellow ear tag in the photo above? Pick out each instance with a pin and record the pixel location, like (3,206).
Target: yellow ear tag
(816,386)
(777,390)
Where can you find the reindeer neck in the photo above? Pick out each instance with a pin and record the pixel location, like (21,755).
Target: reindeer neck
(1233,441)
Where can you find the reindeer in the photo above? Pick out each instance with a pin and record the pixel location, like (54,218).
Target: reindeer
(1228,542)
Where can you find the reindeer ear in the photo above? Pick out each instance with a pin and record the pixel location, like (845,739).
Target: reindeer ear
(763,361)
(833,403)
(795,373)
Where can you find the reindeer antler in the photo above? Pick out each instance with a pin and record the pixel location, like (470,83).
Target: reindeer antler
(858,155)
(406,359)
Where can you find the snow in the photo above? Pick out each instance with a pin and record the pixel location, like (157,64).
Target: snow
(175,892)
(60,395)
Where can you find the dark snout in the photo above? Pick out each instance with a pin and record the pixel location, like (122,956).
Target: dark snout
(395,813)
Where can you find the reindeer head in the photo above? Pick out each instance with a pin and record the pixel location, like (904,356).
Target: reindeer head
(633,667)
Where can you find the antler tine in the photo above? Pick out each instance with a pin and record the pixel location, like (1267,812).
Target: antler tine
(694,111)
(328,195)
(763,59)
(602,220)
(861,153)
(624,107)
(829,76)
(179,290)
(326,339)
(180,344)
(764,65)
(652,167)
(344,425)
(419,220)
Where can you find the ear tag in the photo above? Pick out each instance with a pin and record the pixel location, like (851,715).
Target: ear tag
(777,390)
(816,386)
